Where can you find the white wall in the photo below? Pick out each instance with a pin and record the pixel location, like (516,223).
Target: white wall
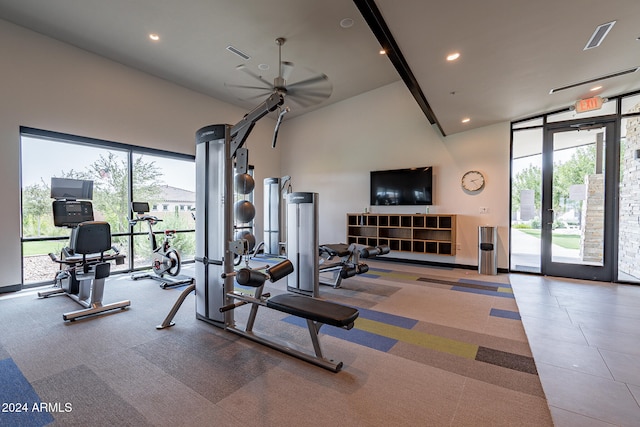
(332,150)
(53,86)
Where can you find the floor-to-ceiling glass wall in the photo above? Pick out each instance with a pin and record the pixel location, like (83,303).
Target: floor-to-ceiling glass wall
(168,186)
(574,198)
(526,192)
(119,172)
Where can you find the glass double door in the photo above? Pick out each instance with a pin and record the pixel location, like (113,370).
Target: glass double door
(578,200)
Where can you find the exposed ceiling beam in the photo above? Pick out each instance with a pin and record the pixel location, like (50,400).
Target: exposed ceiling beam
(373,17)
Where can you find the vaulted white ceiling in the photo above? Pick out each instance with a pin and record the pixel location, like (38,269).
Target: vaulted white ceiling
(513,52)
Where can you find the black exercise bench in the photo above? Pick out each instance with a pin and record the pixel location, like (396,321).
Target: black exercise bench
(317,312)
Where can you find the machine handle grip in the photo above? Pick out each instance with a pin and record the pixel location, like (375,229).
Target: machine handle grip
(280,270)
(229,307)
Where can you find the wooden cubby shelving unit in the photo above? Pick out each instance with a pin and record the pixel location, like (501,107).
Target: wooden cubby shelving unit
(433,234)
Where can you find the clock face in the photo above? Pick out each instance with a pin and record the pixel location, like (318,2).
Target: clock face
(473,181)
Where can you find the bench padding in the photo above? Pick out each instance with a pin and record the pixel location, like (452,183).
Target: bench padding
(339,249)
(318,310)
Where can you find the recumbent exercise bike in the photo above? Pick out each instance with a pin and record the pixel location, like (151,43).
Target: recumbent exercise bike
(86,262)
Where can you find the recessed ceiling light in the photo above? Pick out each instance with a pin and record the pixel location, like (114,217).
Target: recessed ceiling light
(593,89)
(154,37)
(466,120)
(263,67)
(453,56)
(382,52)
(346,23)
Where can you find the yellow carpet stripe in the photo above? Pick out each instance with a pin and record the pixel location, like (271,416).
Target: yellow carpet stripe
(505,290)
(421,339)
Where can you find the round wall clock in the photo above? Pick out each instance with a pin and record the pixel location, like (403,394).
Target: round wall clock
(473,181)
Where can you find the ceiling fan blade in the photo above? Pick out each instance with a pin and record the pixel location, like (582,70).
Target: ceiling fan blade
(307,93)
(246,69)
(312,80)
(260,95)
(305,101)
(300,101)
(286,68)
(246,87)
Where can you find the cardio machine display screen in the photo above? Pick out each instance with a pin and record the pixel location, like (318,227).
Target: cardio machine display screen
(71,213)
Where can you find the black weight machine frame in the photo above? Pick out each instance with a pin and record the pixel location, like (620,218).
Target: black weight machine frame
(216,299)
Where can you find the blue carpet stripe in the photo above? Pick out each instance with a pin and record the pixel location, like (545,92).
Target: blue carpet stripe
(390,319)
(370,275)
(481,282)
(17,390)
(507,314)
(364,338)
(483,292)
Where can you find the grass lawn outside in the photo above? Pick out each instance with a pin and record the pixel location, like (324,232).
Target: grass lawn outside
(43,248)
(568,241)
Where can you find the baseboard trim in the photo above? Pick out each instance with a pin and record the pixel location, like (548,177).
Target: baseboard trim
(434,263)
(10,288)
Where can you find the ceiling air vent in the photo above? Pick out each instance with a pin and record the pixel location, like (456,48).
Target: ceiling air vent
(598,35)
(597,79)
(238,52)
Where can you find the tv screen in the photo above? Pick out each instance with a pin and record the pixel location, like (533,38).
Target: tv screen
(402,187)
(71,189)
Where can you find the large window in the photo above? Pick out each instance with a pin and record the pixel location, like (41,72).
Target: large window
(121,174)
(574,197)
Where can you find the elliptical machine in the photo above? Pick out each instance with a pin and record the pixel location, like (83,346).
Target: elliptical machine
(165,261)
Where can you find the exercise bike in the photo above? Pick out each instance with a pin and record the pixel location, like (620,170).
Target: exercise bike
(85,263)
(165,261)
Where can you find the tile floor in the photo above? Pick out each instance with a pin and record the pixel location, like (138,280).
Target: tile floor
(585,339)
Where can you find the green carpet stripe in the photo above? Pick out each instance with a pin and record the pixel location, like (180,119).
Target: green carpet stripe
(421,339)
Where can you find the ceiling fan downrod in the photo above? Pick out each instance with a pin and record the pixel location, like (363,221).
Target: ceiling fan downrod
(279,83)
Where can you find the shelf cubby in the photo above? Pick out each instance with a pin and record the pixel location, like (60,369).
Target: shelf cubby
(419,233)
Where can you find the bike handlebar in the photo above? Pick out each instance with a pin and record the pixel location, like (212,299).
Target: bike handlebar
(150,218)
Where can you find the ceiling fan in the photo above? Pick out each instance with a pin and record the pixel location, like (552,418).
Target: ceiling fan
(312,89)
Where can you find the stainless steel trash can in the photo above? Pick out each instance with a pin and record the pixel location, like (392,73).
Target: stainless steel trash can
(487,254)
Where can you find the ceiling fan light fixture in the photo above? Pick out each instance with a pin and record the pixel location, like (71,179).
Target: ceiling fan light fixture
(312,89)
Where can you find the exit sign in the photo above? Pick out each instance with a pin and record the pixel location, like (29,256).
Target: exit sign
(589,104)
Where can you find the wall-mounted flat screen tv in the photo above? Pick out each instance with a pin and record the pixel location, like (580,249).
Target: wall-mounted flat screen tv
(71,189)
(402,187)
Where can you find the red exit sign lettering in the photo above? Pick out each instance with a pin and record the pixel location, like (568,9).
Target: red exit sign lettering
(589,104)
